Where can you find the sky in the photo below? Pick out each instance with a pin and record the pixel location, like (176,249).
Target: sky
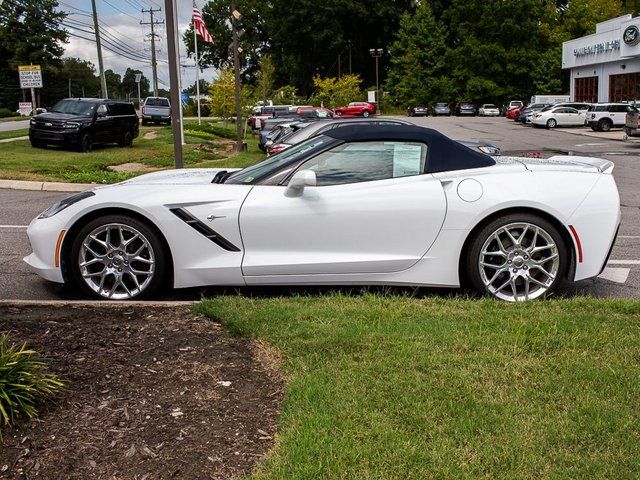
(120,26)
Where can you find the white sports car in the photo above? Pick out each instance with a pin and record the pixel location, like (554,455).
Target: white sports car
(395,205)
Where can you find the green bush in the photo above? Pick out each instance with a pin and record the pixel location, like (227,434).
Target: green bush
(5,112)
(24,381)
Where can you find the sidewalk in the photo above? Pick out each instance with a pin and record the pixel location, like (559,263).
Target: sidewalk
(46,186)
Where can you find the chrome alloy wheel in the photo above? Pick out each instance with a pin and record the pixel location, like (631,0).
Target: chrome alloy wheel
(519,261)
(116,261)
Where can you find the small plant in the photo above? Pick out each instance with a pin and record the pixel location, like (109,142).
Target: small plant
(24,381)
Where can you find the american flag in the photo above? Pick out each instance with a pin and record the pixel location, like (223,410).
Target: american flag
(199,26)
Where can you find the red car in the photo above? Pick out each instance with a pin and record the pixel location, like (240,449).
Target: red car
(512,113)
(363,109)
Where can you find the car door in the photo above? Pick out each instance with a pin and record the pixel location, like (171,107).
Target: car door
(103,130)
(373,211)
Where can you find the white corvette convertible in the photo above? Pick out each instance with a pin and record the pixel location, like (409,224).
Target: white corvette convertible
(394,205)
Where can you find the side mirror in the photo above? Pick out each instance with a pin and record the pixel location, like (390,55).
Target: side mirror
(300,180)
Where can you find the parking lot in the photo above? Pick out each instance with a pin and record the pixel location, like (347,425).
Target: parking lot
(621,278)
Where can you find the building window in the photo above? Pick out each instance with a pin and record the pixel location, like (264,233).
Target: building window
(624,87)
(586,90)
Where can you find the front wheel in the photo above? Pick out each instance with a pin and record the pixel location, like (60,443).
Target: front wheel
(117,257)
(365,114)
(551,123)
(86,143)
(517,257)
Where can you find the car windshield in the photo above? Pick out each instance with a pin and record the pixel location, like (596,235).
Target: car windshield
(254,173)
(75,107)
(302,134)
(441,105)
(489,105)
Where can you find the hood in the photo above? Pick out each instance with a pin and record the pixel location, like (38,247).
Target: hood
(566,163)
(185,176)
(62,117)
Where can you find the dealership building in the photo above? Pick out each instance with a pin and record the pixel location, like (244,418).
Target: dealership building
(605,66)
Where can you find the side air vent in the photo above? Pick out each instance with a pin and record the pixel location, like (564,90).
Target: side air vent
(204,229)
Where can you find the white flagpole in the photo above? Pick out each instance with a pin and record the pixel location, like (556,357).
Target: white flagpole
(195,40)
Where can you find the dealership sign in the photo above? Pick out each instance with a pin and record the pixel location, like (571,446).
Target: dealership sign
(30,76)
(631,35)
(597,48)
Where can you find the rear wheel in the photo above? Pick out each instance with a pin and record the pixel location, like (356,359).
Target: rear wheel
(604,125)
(117,257)
(365,114)
(126,140)
(518,257)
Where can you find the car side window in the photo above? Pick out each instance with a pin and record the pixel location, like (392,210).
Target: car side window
(102,109)
(367,161)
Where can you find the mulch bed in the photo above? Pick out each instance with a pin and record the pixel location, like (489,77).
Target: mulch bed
(153,393)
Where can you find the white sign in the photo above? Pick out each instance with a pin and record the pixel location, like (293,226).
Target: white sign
(371,96)
(407,159)
(30,76)
(138,77)
(25,108)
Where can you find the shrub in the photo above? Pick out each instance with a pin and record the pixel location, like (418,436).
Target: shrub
(24,381)
(5,112)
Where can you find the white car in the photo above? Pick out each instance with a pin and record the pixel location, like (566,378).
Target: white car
(558,117)
(357,205)
(488,110)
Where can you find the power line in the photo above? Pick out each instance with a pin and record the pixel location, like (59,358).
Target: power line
(152,36)
(119,10)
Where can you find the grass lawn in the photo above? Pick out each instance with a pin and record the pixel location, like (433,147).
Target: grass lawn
(13,134)
(389,387)
(18,160)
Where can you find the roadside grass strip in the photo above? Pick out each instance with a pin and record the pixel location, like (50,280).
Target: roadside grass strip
(20,161)
(392,387)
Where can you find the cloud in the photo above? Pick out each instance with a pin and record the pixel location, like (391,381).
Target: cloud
(121,30)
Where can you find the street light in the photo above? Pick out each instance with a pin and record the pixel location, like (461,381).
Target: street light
(377,53)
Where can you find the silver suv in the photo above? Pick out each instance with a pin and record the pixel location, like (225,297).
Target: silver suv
(602,117)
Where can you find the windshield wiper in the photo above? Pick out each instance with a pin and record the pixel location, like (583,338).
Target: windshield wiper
(221,176)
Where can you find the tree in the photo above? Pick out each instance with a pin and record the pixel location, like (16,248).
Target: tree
(306,37)
(333,92)
(222,93)
(30,32)
(265,79)
(82,75)
(129,86)
(418,60)
(216,15)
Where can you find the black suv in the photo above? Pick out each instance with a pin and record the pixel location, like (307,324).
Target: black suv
(82,122)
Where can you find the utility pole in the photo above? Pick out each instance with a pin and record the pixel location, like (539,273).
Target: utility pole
(377,53)
(152,35)
(174,79)
(96,28)
(235,16)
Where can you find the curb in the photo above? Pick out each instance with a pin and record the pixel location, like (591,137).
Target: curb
(45,186)
(97,303)
(591,135)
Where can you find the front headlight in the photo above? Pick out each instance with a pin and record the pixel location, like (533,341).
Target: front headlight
(64,203)
(71,125)
(489,150)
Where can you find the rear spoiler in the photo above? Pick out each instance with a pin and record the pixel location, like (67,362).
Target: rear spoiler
(603,166)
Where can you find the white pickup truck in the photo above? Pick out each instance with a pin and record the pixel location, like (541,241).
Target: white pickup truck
(156,110)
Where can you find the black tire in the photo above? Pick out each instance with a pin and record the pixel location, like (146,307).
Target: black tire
(155,284)
(169,122)
(126,139)
(471,266)
(144,122)
(552,123)
(86,143)
(604,125)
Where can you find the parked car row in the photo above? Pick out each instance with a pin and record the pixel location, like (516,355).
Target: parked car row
(464,108)
(600,117)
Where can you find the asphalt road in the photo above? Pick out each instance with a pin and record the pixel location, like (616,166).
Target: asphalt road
(17,125)
(620,279)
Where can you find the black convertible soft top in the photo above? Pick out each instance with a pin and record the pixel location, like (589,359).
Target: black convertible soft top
(443,154)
